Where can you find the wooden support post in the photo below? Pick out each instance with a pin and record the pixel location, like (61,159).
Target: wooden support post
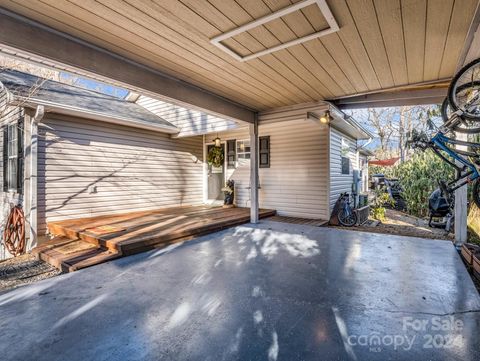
(461,205)
(254,171)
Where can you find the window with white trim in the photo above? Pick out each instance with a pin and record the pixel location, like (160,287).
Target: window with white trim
(243,149)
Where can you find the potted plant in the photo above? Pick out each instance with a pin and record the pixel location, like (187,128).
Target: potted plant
(229,192)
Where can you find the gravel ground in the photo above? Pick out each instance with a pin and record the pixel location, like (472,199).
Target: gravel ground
(23,270)
(401,224)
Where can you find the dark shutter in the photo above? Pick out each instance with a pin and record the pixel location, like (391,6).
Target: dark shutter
(20,139)
(5,158)
(231,153)
(264,152)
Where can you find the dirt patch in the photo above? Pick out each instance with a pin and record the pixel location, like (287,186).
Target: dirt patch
(402,224)
(24,269)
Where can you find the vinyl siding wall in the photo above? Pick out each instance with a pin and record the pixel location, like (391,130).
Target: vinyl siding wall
(296,184)
(88,168)
(339,182)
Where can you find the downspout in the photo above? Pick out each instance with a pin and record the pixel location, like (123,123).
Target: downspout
(39,114)
(367,143)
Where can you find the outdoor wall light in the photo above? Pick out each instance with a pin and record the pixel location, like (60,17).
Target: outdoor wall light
(218,141)
(326,118)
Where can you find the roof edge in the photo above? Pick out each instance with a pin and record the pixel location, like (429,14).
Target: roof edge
(84,113)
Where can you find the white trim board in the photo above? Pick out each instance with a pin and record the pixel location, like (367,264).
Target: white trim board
(323,6)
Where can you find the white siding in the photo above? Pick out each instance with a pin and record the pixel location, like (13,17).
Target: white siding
(296,184)
(339,182)
(88,168)
(293,112)
(190,122)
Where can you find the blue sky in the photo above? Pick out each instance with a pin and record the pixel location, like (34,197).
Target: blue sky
(97,86)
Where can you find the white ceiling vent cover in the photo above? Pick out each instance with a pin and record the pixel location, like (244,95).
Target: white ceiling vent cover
(322,4)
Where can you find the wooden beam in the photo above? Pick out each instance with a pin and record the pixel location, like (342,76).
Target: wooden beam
(471,49)
(254,204)
(433,95)
(26,36)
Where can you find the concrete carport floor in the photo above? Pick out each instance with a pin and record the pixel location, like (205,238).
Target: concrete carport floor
(271,291)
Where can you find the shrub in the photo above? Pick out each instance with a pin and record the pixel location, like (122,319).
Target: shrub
(419,177)
(377,206)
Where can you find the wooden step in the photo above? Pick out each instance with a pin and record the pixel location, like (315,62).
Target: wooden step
(83,261)
(52,243)
(72,254)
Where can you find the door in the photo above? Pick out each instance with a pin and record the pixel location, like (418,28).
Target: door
(216,178)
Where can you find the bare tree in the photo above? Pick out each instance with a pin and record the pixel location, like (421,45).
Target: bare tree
(391,126)
(16,64)
(20,93)
(380,119)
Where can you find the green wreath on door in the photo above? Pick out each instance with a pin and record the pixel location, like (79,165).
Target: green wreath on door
(215,157)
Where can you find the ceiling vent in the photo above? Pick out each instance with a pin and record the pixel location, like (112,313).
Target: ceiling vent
(221,40)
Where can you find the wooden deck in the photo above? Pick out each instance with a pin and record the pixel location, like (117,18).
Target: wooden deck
(296,220)
(80,243)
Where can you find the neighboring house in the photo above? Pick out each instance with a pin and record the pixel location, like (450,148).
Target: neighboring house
(70,153)
(364,155)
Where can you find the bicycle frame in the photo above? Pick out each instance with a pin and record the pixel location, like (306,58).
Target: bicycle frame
(440,143)
(346,205)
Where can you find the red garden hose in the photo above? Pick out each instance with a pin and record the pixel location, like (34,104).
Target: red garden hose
(14,233)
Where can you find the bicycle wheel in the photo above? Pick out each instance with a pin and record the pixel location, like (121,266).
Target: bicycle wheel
(464,91)
(347,219)
(476,192)
(466,126)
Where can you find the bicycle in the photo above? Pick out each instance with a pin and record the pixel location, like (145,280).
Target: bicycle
(469,161)
(464,91)
(461,109)
(346,216)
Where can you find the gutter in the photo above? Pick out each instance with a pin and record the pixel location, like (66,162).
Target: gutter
(350,120)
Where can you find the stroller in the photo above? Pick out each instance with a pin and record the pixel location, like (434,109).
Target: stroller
(441,206)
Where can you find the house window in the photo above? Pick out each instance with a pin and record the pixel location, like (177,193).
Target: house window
(345,152)
(13,157)
(264,152)
(345,165)
(231,154)
(243,149)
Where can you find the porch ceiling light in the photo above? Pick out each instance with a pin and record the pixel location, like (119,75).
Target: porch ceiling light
(326,118)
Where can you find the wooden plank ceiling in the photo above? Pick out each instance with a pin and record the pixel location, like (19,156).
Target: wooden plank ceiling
(381,44)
